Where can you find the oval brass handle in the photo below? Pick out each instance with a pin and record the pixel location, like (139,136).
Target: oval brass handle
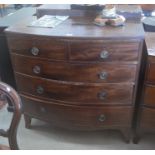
(102,118)
(104,54)
(34,51)
(40,90)
(102,95)
(36,69)
(103,75)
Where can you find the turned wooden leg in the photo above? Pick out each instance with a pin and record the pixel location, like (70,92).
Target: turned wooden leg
(126,132)
(27,121)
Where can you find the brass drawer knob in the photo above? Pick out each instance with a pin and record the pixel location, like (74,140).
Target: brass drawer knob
(102,118)
(102,95)
(36,69)
(34,51)
(40,90)
(103,75)
(104,54)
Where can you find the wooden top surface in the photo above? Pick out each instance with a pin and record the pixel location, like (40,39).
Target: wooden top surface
(82,27)
(150,43)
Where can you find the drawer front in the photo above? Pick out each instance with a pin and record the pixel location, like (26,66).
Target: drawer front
(76,93)
(104,51)
(147,118)
(91,118)
(150,77)
(38,47)
(149,95)
(76,72)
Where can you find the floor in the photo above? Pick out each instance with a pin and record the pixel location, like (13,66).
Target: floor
(44,136)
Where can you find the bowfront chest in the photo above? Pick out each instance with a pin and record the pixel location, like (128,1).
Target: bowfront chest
(78,76)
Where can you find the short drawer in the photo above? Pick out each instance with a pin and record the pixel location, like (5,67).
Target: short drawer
(91,117)
(76,93)
(76,72)
(104,50)
(42,47)
(149,95)
(147,120)
(150,74)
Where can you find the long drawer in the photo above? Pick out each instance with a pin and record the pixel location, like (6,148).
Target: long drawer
(78,117)
(104,50)
(76,72)
(76,93)
(44,47)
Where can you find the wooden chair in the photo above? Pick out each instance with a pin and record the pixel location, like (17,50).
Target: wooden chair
(9,96)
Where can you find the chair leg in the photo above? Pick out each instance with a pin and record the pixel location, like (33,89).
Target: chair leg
(27,121)
(13,141)
(8,93)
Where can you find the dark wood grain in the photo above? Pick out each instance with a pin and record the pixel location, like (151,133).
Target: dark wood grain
(150,76)
(68,91)
(68,116)
(79,28)
(146,106)
(147,119)
(48,48)
(149,97)
(118,50)
(75,72)
(76,93)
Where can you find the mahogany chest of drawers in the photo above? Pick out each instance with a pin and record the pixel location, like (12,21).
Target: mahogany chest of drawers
(146,108)
(78,76)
